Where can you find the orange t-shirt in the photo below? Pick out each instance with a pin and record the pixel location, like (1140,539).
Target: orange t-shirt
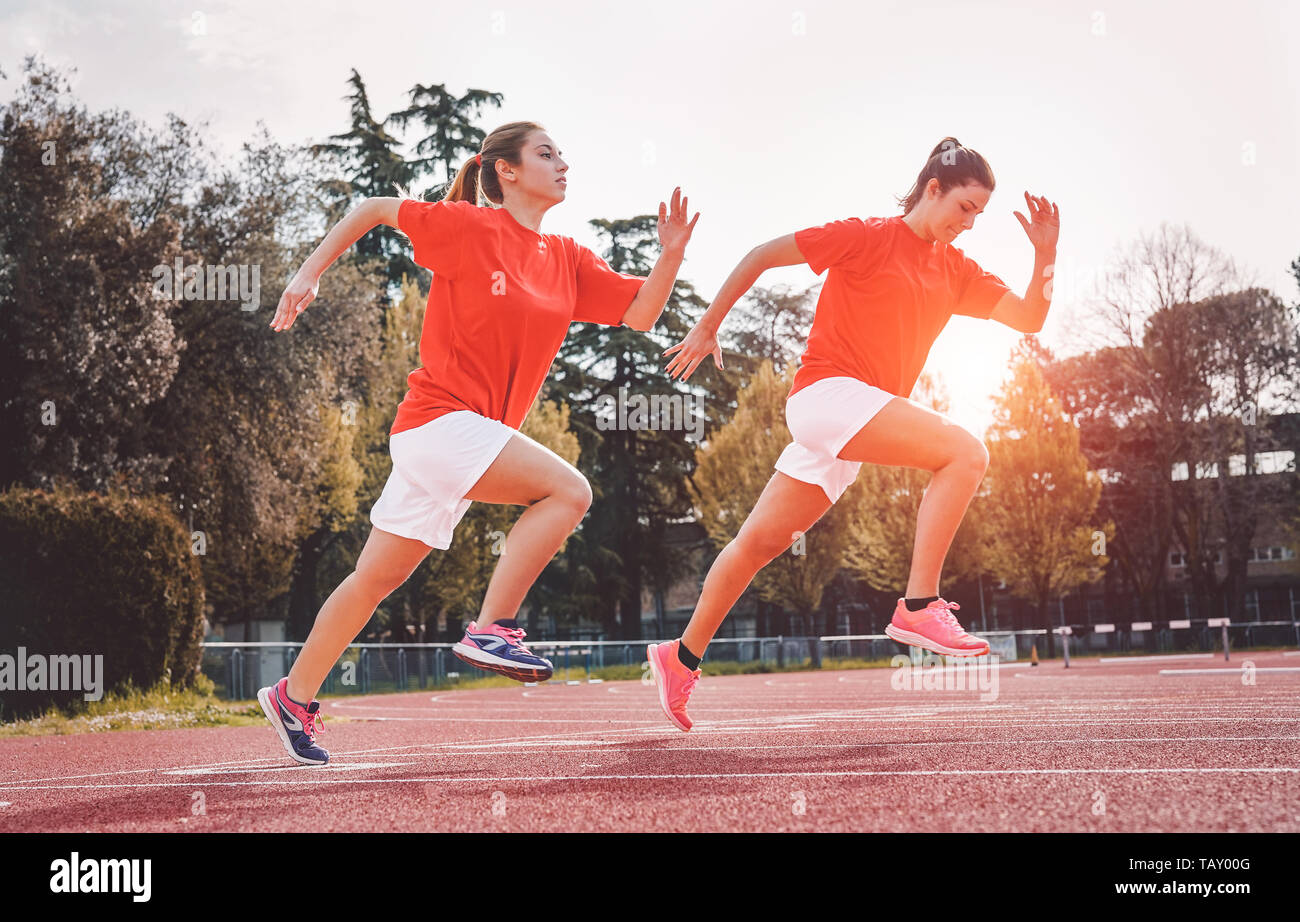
(502,299)
(887,297)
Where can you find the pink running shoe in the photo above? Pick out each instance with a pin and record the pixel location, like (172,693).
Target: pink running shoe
(294,724)
(673,680)
(935,629)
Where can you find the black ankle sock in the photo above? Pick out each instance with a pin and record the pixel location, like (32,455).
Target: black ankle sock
(687,658)
(512,623)
(918,604)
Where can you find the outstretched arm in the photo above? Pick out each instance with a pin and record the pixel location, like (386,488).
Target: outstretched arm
(702,341)
(302,288)
(674,234)
(1028,314)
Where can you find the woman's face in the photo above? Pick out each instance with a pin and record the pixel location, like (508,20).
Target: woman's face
(540,173)
(955,211)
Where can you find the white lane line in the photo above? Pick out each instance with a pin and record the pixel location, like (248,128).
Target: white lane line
(138,771)
(543,737)
(595,708)
(866,715)
(331,767)
(1223,670)
(1151,659)
(1010,711)
(882,745)
(512,720)
(316,777)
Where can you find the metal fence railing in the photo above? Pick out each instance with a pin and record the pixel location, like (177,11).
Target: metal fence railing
(238,669)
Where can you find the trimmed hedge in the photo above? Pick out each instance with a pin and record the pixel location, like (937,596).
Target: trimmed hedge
(89,573)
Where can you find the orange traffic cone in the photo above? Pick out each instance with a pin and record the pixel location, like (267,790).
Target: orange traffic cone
(1033,655)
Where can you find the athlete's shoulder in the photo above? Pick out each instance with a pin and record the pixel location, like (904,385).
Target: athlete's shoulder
(576,252)
(436,212)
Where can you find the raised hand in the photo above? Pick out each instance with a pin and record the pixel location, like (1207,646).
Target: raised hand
(300,292)
(1044,222)
(700,343)
(674,232)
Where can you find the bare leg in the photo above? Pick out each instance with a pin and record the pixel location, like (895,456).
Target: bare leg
(385,563)
(557,496)
(786,506)
(524,473)
(905,434)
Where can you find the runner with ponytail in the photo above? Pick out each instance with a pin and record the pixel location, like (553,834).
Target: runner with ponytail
(502,299)
(893,283)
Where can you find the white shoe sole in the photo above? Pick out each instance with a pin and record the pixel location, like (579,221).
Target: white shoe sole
(264,699)
(469,651)
(662,688)
(925,643)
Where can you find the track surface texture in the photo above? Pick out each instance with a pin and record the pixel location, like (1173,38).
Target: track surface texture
(1112,746)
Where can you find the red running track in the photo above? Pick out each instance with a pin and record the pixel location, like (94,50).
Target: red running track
(1097,747)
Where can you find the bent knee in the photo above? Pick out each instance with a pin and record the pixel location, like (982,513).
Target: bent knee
(970,455)
(378,582)
(575,492)
(762,545)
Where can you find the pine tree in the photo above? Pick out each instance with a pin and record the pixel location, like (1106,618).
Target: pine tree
(638,473)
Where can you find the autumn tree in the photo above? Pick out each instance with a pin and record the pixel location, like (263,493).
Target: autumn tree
(1043,539)
(731,472)
(883,505)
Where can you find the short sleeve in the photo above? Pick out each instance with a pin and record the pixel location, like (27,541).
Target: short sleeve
(832,244)
(975,292)
(603,294)
(436,230)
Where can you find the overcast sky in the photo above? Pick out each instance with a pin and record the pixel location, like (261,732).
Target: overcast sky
(777,116)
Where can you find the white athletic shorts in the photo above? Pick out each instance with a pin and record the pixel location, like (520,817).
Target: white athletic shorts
(434,466)
(822,417)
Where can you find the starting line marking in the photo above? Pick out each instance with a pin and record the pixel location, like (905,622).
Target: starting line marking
(675,750)
(341,766)
(314,777)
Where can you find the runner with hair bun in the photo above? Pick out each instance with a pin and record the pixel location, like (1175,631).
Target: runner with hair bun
(503,297)
(893,284)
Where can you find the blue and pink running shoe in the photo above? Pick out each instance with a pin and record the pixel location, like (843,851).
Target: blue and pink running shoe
(498,649)
(293,723)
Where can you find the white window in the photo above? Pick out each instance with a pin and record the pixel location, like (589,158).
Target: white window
(1275,462)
